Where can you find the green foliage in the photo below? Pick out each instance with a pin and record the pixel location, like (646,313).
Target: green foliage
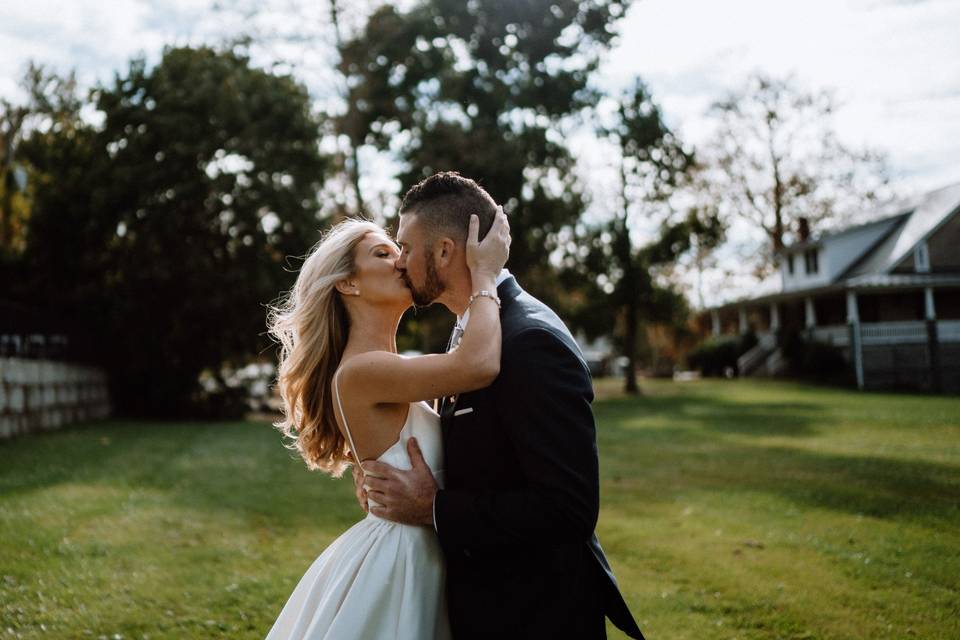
(485,88)
(813,359)
(728,509)
(51,104)
(165,230)
(605,259)
(715,357)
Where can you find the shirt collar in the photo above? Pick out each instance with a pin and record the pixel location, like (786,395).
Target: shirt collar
(462,320)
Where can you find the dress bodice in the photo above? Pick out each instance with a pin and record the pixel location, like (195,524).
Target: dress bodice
(423,423)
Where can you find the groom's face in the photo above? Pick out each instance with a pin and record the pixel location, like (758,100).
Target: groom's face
(417,262)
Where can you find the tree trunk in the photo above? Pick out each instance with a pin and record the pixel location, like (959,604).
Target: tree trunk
(628,285)
(353,162)
(6,211)
(778,223)
(355,175)
(630,348)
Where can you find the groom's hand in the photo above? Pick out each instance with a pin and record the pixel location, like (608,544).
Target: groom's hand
(405,496)
(358,488)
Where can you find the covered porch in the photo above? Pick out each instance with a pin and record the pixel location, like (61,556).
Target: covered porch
(899,331)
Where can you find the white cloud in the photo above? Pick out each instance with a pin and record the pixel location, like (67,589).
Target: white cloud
(894,66)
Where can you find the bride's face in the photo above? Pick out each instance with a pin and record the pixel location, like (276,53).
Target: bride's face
(377,278)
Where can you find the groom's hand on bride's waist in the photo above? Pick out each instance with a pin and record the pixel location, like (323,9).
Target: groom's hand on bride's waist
(358,489)
(401,496)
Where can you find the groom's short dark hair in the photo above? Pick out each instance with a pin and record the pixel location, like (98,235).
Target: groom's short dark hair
(445,201)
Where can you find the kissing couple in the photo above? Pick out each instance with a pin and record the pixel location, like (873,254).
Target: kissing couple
(481,507)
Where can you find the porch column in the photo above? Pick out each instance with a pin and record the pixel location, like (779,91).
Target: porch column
(933,340)
(853,311)
(931,311)
(856,346)
(810,313)
(744,327)
(715,322)
(774,317)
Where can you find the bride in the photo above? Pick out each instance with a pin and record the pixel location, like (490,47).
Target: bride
(349,397)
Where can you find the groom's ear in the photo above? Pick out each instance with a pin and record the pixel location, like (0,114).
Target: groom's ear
(445,251)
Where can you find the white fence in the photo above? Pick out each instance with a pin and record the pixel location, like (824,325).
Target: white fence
(43,394)
(910,332)
(838,334)
(948,330)
(875,333)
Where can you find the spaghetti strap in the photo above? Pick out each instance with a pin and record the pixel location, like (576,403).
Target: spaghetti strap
(343,416)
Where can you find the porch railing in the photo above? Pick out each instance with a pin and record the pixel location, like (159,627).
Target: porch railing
(878,333)
(909,332)
(836,334)
(948,330)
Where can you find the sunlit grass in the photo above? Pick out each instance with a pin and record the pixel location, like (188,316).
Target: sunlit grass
(730,510)
(768,510)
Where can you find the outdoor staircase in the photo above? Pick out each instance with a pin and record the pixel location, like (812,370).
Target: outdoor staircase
(755,360)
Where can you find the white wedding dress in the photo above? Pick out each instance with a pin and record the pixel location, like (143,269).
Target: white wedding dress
(379,580)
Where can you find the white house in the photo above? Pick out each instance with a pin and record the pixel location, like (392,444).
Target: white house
(886,292)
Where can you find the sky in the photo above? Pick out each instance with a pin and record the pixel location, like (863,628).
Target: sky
(893,65)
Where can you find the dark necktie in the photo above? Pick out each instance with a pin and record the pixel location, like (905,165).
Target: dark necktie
(455,337)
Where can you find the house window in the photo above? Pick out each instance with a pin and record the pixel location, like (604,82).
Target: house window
(790,263)
(921,258)
(810,261)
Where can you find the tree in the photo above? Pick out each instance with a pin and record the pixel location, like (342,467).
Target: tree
(610,258)
(51,103)
(319,30)
(776,159)
(488,88)
(485,88)
(166,230)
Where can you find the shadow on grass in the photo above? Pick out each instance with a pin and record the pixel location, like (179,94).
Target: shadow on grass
(720,414)
(655,446)
(241,467)
(666,446)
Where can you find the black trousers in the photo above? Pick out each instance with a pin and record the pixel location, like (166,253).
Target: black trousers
(532,604)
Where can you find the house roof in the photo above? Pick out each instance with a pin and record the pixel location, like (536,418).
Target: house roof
(886,219)
(906,224)
(926,213)
(861,283)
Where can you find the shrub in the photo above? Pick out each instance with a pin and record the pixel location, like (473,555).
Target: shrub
(718,356)
(715,356)
(808,358)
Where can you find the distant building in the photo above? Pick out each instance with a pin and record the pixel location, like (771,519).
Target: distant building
(886,292)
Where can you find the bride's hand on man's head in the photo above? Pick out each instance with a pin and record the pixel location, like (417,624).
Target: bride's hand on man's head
(489,256)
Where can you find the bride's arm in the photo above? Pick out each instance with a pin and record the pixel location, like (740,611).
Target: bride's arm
(388,377)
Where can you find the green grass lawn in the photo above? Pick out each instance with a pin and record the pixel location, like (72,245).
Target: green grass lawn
(729,510)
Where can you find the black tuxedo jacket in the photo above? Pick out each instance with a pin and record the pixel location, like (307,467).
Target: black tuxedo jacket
(517,515)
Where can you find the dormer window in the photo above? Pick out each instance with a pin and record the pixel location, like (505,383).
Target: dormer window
(921,258)
(810,261)
(790,263)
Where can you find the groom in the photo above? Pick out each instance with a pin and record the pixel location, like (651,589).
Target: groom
(517,513)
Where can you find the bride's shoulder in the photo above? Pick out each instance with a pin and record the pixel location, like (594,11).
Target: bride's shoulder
(363,365)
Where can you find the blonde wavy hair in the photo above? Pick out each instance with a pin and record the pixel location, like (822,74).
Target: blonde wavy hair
(312,326)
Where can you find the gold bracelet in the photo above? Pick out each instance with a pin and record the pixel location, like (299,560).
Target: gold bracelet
(483,293)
